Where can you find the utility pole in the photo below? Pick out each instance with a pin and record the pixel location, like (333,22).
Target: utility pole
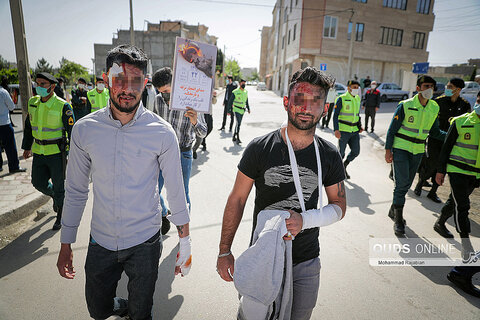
(24,80)
(350,52)
(132,32)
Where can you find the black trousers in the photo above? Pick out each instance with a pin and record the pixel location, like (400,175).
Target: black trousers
(326,119)
(428,166)
(370,112)
(225,113)
(458,202)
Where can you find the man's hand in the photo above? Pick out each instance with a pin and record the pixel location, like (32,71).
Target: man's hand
(184,256)
(84,99)
(294,224)
(27,154)
(440,178)
(65,261)
(192,115)
(226,266)
(360,130)
(248,110)
(338,135)
(388,156)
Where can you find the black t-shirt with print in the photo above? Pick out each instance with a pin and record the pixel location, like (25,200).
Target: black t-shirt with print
(266,161)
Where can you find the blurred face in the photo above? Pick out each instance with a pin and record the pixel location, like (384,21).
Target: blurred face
(126,83)
(305,105)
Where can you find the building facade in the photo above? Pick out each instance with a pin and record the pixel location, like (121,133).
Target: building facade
(388,36)
(158,42)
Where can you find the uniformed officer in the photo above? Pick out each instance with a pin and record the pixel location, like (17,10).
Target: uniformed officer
(237,103)
(346,122)
(451,105)
(79,99)
(47,127)
(413,120)
(98,96)
(460,158)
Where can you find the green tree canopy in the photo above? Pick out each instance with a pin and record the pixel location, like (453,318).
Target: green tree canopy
(219,66)
(254,76)
(4,64)
(232,68)
(71,71)
(43,66)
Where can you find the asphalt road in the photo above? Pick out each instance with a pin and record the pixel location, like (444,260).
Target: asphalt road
(30,287)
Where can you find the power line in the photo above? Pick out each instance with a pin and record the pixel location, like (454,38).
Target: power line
(255,5)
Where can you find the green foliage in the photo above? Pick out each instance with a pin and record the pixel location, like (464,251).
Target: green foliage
(232,68)
(4,64)
(219,66)
(43,66)
(12,74)
(254,76)
(474,73)
(71,71)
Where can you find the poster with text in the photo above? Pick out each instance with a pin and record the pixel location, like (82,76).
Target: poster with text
(193,75)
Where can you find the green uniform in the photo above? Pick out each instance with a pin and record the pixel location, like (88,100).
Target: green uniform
(240,100)
(46,124)
(349,116)
(98,100)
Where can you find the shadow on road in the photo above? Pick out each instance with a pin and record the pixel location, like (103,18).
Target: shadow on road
(357,197)
(202,157)
(25,249)
(235,150)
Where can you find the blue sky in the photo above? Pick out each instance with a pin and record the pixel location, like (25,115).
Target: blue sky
(56,28)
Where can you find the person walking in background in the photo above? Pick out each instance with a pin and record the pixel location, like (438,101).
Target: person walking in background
(228,93)
(98,96)
(59,88)
(371,104)
(238,103)
(80,100)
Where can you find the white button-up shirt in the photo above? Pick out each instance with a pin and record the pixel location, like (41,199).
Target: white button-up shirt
(124,163)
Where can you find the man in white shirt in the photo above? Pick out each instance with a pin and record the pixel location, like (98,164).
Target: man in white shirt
(123,147)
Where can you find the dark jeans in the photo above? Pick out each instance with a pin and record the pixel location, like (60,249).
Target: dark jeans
(326,119)
(103,269)
(238,117)
(405,165)
(203,141)
(458,202)
(353,141)
(370,112)
(45,168)
(225,113)
(7,141)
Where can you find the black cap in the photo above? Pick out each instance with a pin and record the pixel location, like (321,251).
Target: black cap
(243,80)
(351,82)
(82,79)
(47,76)
(425,79)
(458,82)
(99,78)
(60,79)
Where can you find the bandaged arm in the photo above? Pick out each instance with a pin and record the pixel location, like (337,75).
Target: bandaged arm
(329,214)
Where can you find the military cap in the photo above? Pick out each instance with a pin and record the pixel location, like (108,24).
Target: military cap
(47,76)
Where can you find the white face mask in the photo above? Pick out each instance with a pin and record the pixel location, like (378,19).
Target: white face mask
(373,86)
(81,86)
(427,94)
(100,86)
(355,92)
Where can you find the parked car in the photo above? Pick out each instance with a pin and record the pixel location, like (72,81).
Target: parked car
(391,91)
(340,88)
(15,94)
(261,86)
(440,90)
(471,87)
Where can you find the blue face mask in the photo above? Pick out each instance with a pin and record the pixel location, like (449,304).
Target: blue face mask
(476,108)
(42,92)
(448,92)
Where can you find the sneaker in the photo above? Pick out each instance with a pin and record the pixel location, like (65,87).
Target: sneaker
(120,307)
(57,225)
(194,154)
(19,169)
(165,224)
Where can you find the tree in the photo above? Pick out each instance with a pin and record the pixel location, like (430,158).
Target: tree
(254,76)
(71,71)
(43,66)
(219,66)
(4,64)
(232,68)
(12,74)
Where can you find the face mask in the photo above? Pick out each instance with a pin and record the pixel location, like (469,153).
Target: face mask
(476,108)
(100,86)
(449,92)
(242,86)
(427,94)
(373,86)
(355,92)
(166,97)
(90,87)
(42,92)
(81,86)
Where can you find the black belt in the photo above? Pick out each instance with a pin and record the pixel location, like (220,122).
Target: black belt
(47,142)
(463,166)
(408,138)
(349,123)
(243,108)
(183,149)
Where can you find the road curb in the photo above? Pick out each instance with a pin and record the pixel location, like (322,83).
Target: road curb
(25,207)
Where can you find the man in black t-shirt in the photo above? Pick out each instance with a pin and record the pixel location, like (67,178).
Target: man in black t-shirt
(266,163)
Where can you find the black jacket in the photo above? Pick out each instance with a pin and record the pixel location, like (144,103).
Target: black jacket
(371,99)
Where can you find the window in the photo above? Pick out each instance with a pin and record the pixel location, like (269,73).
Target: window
(423,6)
(418,40)
(362,1)
(330,27)
(291,5)
(285,15)
(391,36)
(283,42)
(289,36)
(294,31)
(358,31)
(396,4)
(296,2)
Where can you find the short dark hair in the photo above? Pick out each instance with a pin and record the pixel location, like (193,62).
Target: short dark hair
(352,82)
(457,82)
(230,77)
(162,77)
(126,53)
(313,76)
(99,79)
(426,79)
(82,80)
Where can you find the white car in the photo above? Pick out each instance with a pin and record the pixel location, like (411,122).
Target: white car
(340,88)
(261,86)
(471,87)
(391,91)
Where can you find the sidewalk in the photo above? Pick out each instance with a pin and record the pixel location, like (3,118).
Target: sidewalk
(18,197)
